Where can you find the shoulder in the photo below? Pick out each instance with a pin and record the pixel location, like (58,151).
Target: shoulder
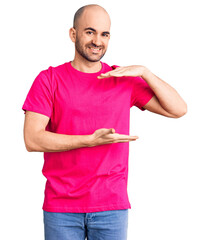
(56,69)
(47,77)
(52,72)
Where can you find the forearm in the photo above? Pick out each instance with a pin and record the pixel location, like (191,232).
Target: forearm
(168,97)
(45,141)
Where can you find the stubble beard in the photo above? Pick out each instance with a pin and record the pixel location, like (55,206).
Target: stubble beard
(87,56)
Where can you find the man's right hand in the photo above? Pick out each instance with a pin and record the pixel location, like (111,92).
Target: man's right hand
(38,139)
(106,136)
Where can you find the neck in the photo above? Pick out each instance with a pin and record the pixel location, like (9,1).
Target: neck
(86,66)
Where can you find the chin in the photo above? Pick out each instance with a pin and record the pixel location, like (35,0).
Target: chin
(95,59)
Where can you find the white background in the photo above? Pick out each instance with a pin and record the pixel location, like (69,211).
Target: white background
(168,164)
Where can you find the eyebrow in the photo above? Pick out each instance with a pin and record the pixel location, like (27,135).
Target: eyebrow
(89,28)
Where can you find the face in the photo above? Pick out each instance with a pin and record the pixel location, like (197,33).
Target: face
(92,36)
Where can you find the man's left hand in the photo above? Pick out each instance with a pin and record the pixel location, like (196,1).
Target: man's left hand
(128,71)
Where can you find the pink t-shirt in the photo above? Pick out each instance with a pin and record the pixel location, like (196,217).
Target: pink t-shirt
(88,179)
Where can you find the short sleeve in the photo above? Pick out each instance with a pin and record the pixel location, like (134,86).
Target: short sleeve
(141,93)
(40,98)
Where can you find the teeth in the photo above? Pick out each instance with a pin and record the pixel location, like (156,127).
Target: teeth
(96,49)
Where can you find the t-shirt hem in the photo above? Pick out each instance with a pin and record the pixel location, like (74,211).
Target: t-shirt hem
(27,108)
(87,209)
(146,101)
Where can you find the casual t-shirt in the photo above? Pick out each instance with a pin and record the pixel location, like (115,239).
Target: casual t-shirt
(87,179)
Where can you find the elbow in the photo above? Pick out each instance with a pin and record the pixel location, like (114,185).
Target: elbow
(182,112)
(28,147)
(32,146)
(29,144)
(30,140)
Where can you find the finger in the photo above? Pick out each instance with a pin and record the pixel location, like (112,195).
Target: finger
(127,140)
(105,75)
(111,75)
(108,74)
(126,137)
(102,76)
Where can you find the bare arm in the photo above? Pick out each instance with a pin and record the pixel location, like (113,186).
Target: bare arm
(167,101)
(37,139)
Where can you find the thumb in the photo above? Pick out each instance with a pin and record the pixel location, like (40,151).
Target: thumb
(112,130)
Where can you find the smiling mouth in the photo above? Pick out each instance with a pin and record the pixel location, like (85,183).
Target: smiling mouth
(95,50)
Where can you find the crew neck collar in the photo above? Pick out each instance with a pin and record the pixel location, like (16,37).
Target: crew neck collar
(84,74)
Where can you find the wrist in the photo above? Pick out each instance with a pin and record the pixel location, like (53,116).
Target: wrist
(145,73)
(89,140)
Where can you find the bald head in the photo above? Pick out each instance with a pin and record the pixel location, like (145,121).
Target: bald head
(90,32)
(83,12)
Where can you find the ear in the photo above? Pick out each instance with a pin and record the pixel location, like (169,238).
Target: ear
(72,34)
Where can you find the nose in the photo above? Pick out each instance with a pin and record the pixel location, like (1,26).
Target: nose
(97,40)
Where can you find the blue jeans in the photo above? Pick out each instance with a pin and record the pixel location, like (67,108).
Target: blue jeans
(105,225)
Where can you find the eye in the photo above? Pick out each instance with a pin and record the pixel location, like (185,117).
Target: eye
(105,34)
(89,32)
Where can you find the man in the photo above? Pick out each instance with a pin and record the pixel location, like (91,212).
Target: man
(77,113)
